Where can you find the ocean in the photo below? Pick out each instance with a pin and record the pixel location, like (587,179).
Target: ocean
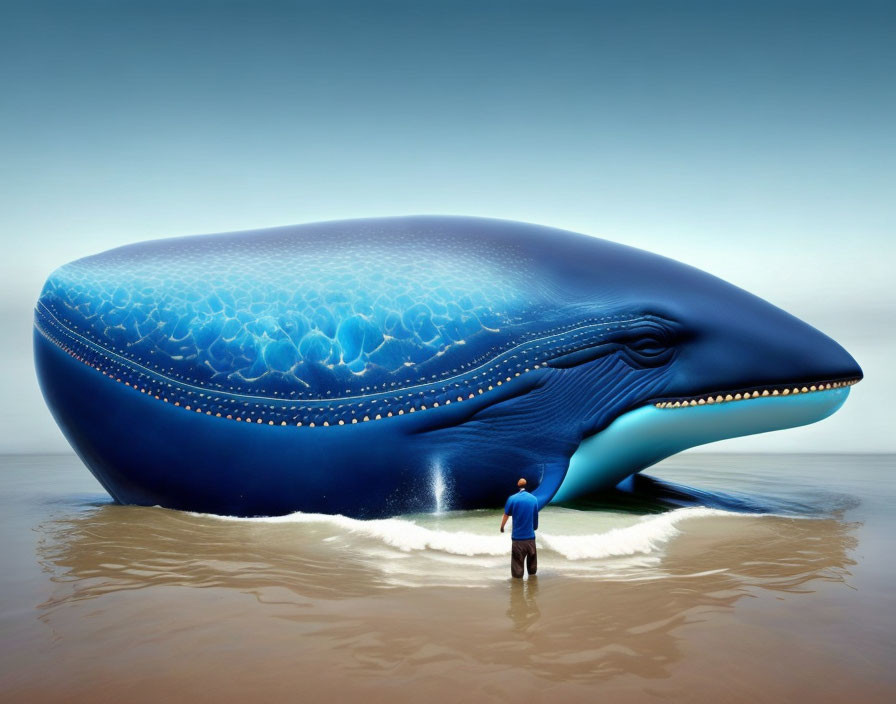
(711,577)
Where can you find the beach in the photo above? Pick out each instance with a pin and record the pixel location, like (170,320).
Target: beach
(715,577)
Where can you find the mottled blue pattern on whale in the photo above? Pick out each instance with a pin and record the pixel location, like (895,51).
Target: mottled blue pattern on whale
(272,312)
(270,371)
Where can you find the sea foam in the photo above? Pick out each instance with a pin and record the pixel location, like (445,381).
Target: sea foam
(642,538)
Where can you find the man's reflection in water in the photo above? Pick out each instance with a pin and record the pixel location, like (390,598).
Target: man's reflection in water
(523,609)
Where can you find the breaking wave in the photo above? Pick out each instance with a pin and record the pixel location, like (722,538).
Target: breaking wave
(644,537)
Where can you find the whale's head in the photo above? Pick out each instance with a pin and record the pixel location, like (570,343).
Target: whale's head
(702,360)
(481,347)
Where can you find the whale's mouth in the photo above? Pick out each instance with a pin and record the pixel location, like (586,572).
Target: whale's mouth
(645,435)
(765,391)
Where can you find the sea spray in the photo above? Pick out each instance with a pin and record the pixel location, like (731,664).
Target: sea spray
(439,488)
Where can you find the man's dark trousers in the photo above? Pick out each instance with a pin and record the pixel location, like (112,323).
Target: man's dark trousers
(523,550)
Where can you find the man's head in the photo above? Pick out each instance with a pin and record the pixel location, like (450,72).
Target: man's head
(521,483)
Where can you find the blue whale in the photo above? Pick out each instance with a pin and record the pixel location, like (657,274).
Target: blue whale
(383,366)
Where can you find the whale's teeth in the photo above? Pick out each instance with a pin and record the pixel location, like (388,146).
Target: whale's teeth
(737,397)
(377,416)
(341,422)
(729,397)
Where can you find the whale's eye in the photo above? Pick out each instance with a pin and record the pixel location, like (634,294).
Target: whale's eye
(648,342)
(651,344)
(648,346)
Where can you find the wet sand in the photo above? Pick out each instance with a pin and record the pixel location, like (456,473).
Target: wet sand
(108,603)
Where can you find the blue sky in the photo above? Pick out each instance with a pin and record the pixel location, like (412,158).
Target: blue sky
(754,140)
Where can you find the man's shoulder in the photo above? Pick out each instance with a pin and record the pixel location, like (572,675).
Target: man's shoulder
(523,496)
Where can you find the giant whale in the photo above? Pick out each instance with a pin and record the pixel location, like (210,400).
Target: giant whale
(381,366)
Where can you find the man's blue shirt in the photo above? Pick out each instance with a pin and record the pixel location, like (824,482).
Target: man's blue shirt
(522,507)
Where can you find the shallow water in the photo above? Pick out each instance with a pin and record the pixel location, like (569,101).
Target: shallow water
(717,577)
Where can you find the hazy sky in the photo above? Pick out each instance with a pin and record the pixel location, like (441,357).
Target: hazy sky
(753,140)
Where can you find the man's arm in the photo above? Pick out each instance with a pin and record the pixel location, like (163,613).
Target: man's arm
(508,512)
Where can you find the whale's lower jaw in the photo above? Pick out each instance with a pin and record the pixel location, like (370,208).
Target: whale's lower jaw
(646,435)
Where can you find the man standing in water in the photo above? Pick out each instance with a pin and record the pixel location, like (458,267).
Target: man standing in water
(523,507)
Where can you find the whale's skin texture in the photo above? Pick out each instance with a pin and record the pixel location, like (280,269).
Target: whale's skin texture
(391,365)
